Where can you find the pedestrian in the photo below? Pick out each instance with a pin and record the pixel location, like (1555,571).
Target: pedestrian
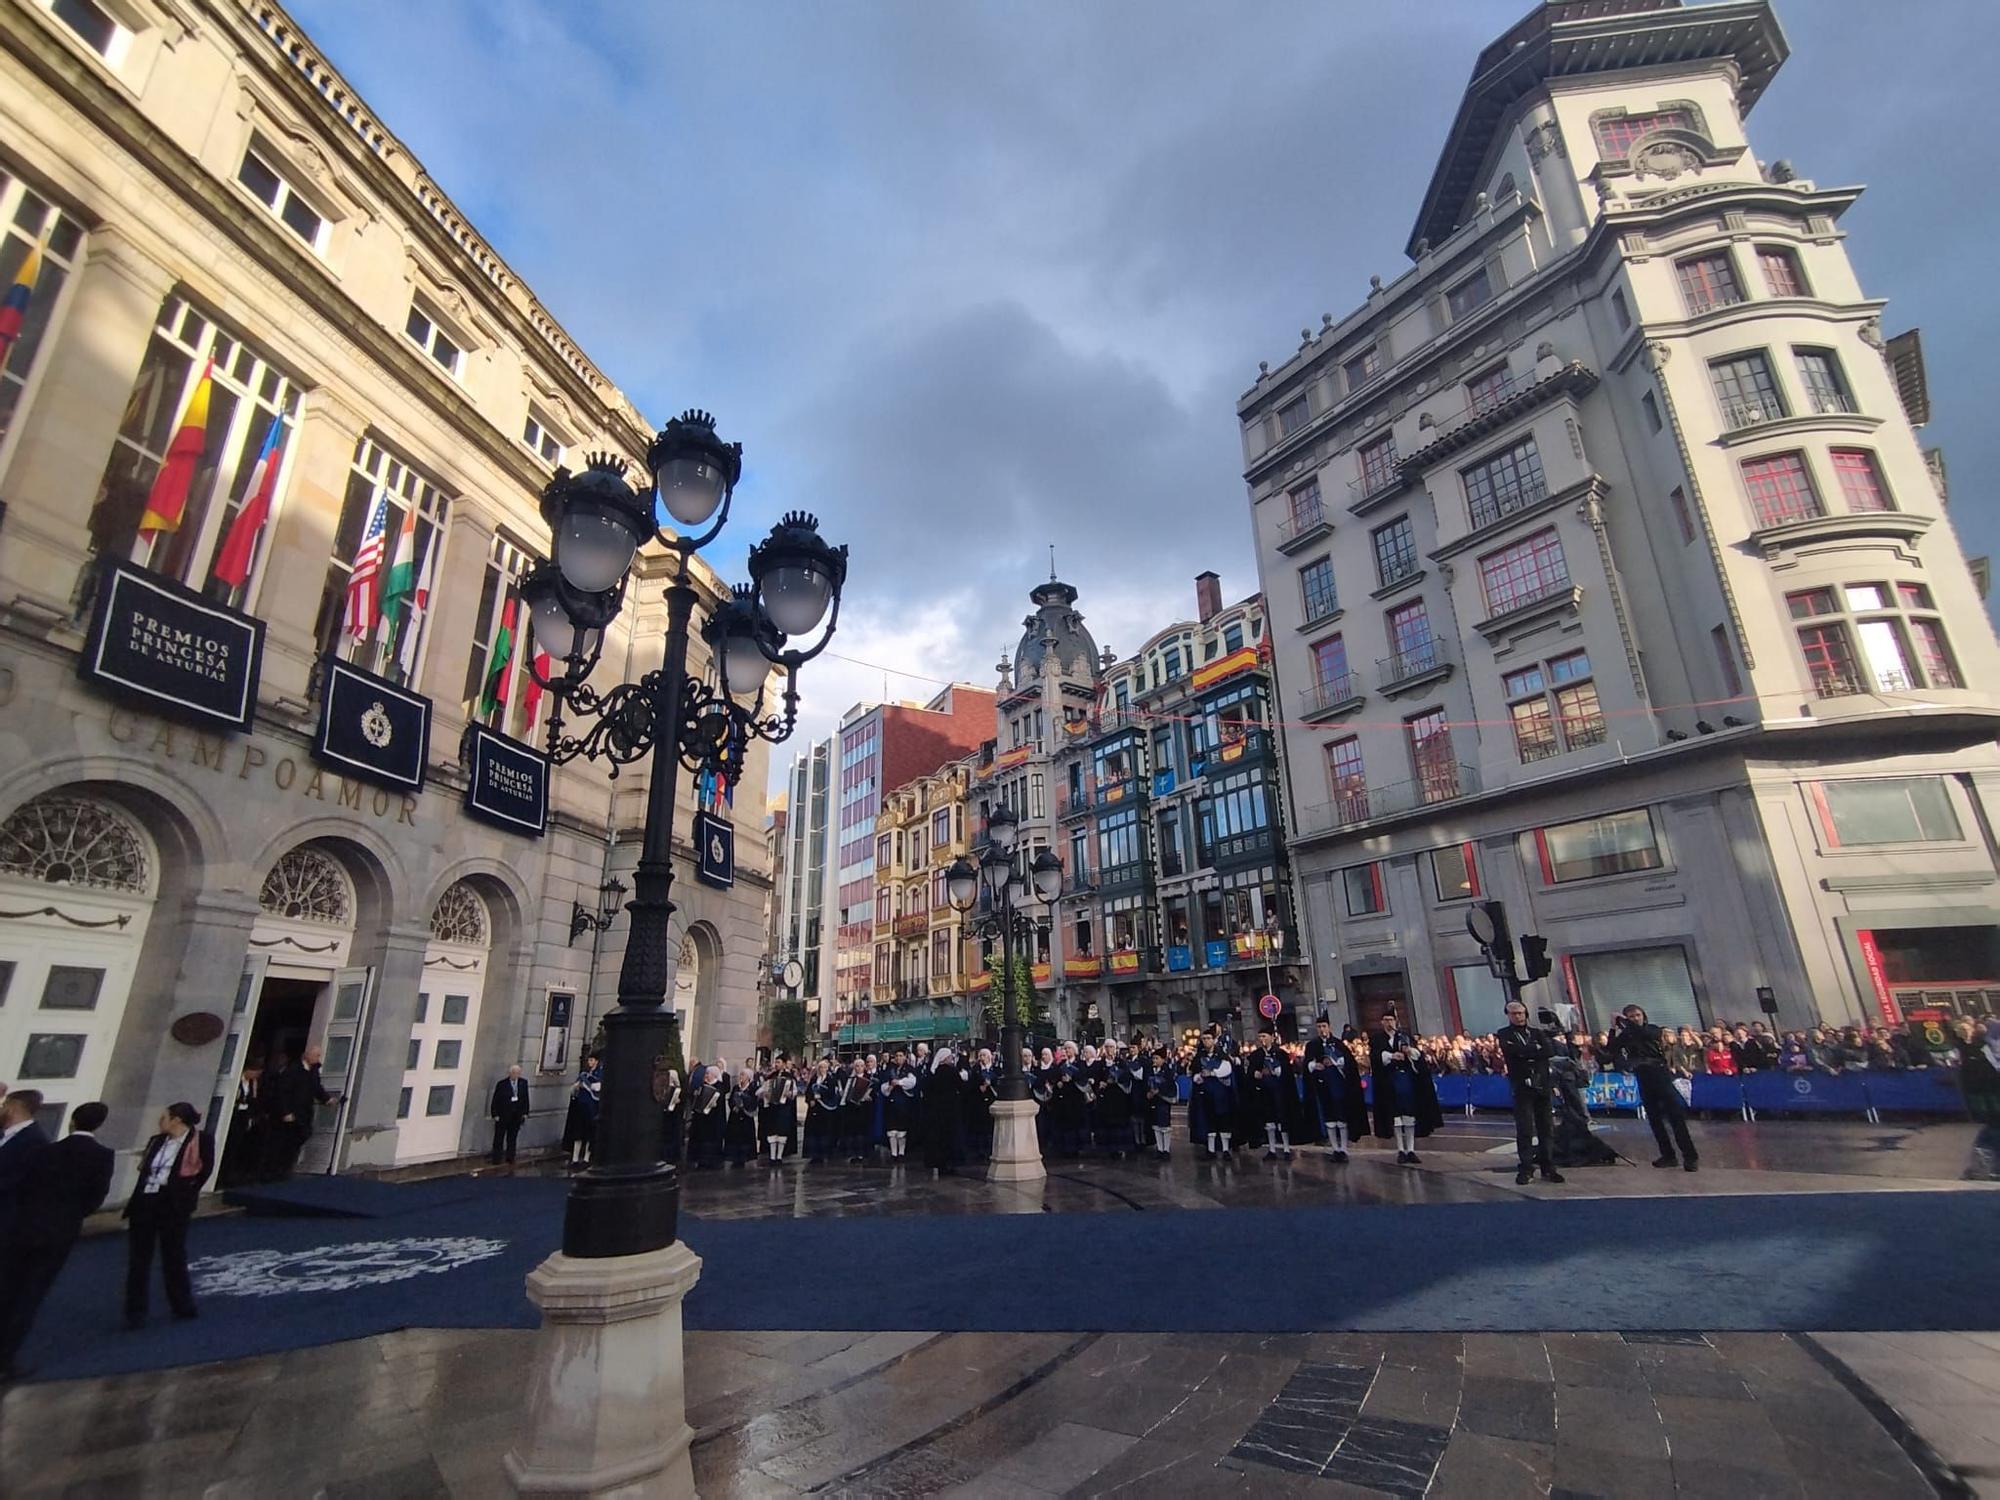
(65,1184)
(1406,1104)
(292,1095)
(1979,1081)
(245,1150)
(21,1140)
(1162,1087)
(673,1117)
(172,1169)
(1528,1053)
(1335,1079)
(943,1112)
(580,1119)
(1276,1089)
(1637,1047)
(509,1109)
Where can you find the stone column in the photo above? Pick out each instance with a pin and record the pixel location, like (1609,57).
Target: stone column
(88,368)
(607,1402)
(293,573)
(1017,1154)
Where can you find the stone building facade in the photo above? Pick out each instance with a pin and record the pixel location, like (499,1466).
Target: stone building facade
(1607,575)
(214,202)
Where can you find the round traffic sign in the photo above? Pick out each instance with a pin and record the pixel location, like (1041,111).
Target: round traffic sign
(1269,1007)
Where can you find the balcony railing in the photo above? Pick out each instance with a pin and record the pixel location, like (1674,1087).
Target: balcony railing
(1121,793)
(1504,503)
(1241,849)
(1306,523)
(1131,963)
(1327,697)
(1369,488)
(1247,747)
(1414,663)
(1111,720)
(1738,415)
(1832,403)
(1446,781)
(915,924)
(1111,877)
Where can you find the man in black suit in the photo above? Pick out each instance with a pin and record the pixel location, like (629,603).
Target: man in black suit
(1527,1050)
(64,1185)
(21,1141)
(289,1100)
(172,1168)
(510,1108)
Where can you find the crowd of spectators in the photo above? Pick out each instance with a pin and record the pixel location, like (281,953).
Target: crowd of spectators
(1741,1047)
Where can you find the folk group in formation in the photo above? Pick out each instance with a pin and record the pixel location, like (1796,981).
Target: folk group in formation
(1112,1099)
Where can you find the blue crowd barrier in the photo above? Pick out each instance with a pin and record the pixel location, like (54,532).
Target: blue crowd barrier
(1715,1091)
(1804,1093)
(1927,1091)
(1454,1091)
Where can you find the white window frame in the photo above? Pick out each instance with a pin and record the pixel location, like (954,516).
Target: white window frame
(538,433)
(437,327)
(288,188)
(13,195)
(123,31)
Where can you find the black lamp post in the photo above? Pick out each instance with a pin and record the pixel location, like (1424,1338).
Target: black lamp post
(1008,894)
(582,919)
(628,1202)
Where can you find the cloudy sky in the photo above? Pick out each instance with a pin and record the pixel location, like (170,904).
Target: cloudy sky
(969,279)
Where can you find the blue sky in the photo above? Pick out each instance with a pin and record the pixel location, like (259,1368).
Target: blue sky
(968,279)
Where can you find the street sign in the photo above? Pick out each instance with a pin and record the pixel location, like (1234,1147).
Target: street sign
(1269,1007)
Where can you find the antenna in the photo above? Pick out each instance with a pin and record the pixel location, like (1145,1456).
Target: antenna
(1052,562)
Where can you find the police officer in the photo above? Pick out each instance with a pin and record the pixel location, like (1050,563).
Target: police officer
(1527,1050)
(1637,1047)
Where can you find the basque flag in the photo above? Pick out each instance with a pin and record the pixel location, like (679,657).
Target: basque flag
(14,306)
(170,489)
(232,564)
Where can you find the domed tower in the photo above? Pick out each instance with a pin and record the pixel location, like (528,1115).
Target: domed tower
(1054,640)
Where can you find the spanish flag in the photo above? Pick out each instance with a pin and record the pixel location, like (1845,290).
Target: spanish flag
(170,490)
(14,306)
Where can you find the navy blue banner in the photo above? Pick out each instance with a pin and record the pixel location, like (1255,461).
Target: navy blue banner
(371,729)
(181,655)
(507,782)
(714,851)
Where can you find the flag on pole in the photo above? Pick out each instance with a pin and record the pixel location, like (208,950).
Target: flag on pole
(420,602)
(168,498)
(495,692)
(232,563)
(402,575)
(531,701)
(364,579)
(14,306)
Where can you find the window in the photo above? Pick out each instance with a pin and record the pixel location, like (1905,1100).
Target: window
(1481,999)
(499,690)
(1746,390)
(422,327)
(1344,776)
(71,987)
(269,187)
(1615,844)
(1306,512)
(438,1100)
(444,1056)
(1365,896)
(1168,829)
(51,1055)
(1292,416)
(1166,757)
(1616,133)
(1238,807)
(1554,707)
(1316,582)
(1933,655)
(1378,464)
(1506,482)
(1860,479)
(542,440)
(882,852)
(1683,517)
(1411,646)
(1118,844)
(1898,650)
(1519,575)
(940,891)
(403,1104)
(1363,367)
(1395,551)
(415,1057)
(941,953)
(1079,857)
(1909,810)
(1732,681)
(1232,637)
(389,507)
(1621,310)
(98,28)
(1650,405)
(1780,490)
(1473,292)
(1656,978)
(27,220)
(1454,873)
(1483,391)
(1826,386)
(1782,276)
(1708,281)
(1431,756)
(1330,674)
(455,1008)
(203,546)
(1829,657)
(1038,802)
(941,829)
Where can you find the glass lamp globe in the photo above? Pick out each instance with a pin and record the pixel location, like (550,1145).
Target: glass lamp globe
(690,487)
(744,667)
(1048,873)
(961,883)
(1003,827)
(796,596)
(593,549)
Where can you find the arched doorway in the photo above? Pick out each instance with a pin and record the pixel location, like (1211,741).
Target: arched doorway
(77,880)
(437,1071)
(692,995)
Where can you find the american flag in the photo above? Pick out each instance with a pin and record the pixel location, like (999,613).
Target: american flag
(364,583)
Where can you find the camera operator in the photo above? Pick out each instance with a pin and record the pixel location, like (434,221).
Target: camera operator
(1527,1050)
(1638,1048)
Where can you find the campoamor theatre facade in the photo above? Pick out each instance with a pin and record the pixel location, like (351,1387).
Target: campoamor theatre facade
(272,433)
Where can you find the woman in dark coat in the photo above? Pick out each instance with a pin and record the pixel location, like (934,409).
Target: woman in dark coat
(172,1168)
(1406,1101)
(943,1112)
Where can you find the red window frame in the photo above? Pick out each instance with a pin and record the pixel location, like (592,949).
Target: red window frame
(1829,655)
(1708,281)
(1466,853)
(1378,463)
(1306,508)
(1933,653)
(1346,776)
(1528,570)
(1860,479)
(1616,133)
(1323,651)
(1780,489)
(1782,276)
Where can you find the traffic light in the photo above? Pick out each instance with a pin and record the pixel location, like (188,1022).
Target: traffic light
(1486,921)
(1534,957)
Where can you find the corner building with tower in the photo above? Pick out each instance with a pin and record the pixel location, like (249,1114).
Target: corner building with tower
(1607,575)
(233,824)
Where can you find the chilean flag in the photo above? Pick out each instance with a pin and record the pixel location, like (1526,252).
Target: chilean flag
(170,489)
(14,306)
(232,564)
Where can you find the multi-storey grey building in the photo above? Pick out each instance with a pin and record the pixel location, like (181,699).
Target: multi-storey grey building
(1606,574)
(806,888)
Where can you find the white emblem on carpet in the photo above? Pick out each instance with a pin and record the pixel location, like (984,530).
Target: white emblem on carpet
(334,1268)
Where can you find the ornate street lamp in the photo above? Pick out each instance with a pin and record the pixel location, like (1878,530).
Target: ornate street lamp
(1015,1154)
(605,1408)
(582,919)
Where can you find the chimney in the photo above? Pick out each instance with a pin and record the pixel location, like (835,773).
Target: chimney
(1207,596)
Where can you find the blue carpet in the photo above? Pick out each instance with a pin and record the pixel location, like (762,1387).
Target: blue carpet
(1821,1261)
(353,1197)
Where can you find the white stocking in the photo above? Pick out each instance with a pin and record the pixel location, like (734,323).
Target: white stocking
(1225,1141)
(1339,1137)
(1212,1139)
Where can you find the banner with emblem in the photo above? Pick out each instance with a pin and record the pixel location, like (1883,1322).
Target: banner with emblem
(168,648)
(715,851)
(371,729)
(507,782)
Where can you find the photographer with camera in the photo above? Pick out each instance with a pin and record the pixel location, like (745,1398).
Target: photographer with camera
(1639,1048)
(1527,1050)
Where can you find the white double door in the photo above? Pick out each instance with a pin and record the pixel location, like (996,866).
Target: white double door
(64,981)
(439,1085)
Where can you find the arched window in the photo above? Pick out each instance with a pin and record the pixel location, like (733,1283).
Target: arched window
(460,916)
(308,885)
(68,840)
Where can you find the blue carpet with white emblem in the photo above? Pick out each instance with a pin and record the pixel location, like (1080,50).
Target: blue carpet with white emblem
(458,1259)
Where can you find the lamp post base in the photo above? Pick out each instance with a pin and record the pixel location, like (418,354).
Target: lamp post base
(607,1403)
(1017,1154)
